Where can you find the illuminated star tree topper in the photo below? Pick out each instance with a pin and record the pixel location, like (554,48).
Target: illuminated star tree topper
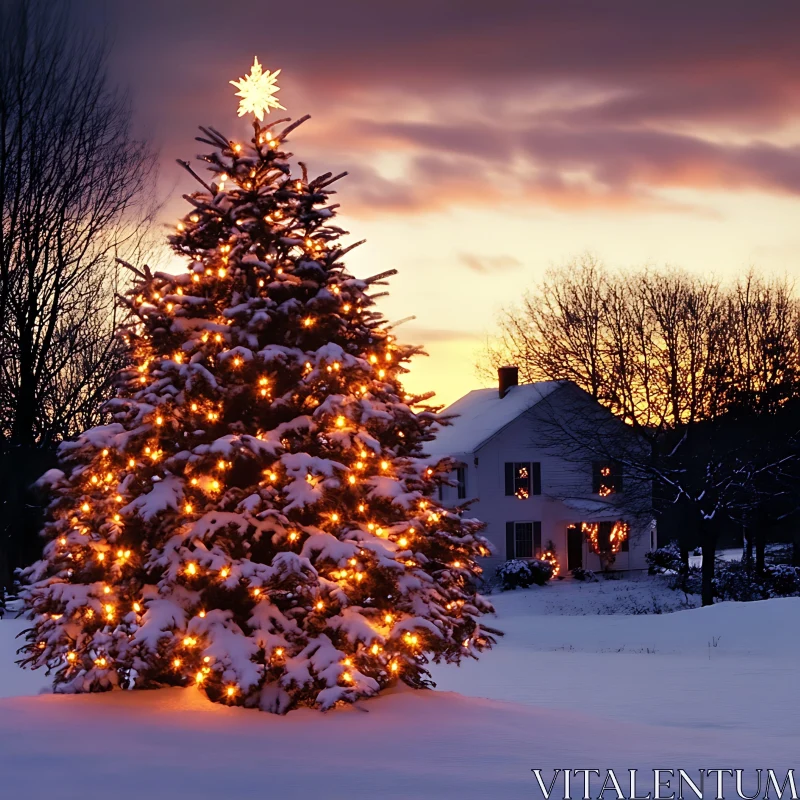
(257,90)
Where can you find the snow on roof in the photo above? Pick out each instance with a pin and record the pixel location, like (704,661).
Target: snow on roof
(482,413)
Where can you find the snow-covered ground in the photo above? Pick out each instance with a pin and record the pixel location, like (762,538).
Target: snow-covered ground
(569,685)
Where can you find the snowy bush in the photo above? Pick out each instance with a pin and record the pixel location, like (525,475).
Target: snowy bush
(783,580)
(520,574)
(664,559)
(581,574)
(735,580)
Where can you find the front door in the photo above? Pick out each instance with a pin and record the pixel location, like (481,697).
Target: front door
(574,547)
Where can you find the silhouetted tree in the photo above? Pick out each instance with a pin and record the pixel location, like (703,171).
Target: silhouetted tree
(74,194)
(695,369)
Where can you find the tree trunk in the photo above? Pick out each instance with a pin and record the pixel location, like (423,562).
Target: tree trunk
(761,540)
(747,545)
(684,568)
(796,546)
(709,544)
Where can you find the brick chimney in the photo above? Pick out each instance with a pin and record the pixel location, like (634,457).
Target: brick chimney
(506,378)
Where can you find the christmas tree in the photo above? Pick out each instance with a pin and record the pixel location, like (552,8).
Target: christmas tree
(258,515)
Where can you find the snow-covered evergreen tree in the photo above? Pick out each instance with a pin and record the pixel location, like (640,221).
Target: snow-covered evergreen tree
(258,516)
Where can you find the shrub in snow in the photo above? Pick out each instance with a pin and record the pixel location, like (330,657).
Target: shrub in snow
(258,515)
(664,559)
(581,574)
(783,580)
(520,573)
(735,580)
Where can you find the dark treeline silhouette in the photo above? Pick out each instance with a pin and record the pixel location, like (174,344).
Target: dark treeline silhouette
(707,375)
(75,193)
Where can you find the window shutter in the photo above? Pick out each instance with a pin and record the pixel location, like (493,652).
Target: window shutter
(537,538)
(536,474)
(596,477)
(509,540)
(509,479)
(617,476)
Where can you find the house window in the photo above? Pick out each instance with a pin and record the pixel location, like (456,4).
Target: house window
(461,481)
(523,539)
(606,477)
(523,479)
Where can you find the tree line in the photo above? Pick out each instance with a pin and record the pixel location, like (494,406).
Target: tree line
(75,194)
(706,373)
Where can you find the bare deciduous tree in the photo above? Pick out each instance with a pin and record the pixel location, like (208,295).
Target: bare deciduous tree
(690,366)
(75,192)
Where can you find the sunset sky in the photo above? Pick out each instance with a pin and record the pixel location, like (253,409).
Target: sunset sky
(488,141)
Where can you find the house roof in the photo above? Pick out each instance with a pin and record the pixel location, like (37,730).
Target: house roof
(482,413)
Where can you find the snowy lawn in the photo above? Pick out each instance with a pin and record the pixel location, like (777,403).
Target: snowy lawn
(566,686)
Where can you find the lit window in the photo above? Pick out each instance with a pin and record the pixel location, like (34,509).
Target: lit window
(523,479)
(606,478)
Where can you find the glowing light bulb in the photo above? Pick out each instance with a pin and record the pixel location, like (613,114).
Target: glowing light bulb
(388,619)
(137,607)
(191,568)
(230,691)
(402,541)
(176,662)
(319,605)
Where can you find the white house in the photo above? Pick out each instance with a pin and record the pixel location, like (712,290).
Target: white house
(519,454)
